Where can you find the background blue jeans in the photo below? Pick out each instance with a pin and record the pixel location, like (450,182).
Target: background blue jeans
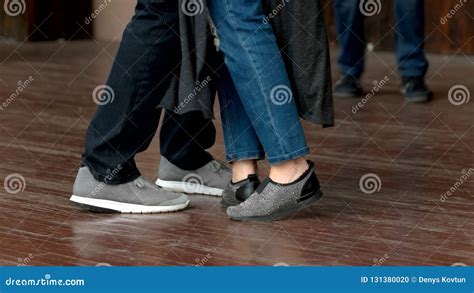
(266,112)
(409,37)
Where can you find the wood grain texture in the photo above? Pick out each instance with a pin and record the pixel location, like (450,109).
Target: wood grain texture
(418,151)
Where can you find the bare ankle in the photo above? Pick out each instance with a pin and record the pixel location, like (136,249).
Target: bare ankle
(288,171)
(242,169)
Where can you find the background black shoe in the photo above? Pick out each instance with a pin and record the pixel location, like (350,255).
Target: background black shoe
(348,86)
(415,90)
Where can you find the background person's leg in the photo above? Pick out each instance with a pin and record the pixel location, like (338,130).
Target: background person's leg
(350,37)
(185,138)
(409,43)
(409,37)
(139,78)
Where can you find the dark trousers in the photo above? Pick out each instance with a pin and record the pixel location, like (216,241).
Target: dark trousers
(139,78)
(409,37)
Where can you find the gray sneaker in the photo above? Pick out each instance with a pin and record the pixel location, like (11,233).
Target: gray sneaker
(211,179)
(138,196)
(273,201)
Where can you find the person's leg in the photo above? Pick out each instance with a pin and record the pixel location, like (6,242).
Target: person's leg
(257,69)
(351,40)
(350,37)
(126,124)
(243,149)
(185,164)
(185,138)
(409,37)
(409,44)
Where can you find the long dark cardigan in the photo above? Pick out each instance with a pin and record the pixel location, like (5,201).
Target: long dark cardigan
(301,34)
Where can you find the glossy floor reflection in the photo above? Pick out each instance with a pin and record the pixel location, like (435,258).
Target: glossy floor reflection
(419,153)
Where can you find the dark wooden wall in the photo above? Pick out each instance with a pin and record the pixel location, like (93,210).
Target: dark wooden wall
(48,20)
(457,33)
(65,19)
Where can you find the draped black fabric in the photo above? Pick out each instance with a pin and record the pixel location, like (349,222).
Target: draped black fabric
(302,37)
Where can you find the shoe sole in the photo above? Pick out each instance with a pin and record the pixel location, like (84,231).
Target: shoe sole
(417,99)
(346,96)
(189,188)
(226,202)
(278,215)
(108,206)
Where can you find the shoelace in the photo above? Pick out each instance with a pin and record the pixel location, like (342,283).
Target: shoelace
(217,166)
(140,182)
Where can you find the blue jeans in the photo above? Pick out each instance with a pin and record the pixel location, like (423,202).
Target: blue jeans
(259,115)
(409,37)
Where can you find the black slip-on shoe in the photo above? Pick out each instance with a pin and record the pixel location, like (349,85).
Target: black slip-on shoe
(240,191)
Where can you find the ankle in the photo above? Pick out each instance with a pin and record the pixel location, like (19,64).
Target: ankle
(289,171)
(242,169)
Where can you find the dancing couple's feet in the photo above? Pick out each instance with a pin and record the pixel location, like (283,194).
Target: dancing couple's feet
(247,200)
(142,196)
(250,200)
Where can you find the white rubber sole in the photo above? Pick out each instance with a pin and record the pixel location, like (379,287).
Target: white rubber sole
(189,188)
(125,207)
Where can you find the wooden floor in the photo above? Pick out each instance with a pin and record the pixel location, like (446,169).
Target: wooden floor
(419,152)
